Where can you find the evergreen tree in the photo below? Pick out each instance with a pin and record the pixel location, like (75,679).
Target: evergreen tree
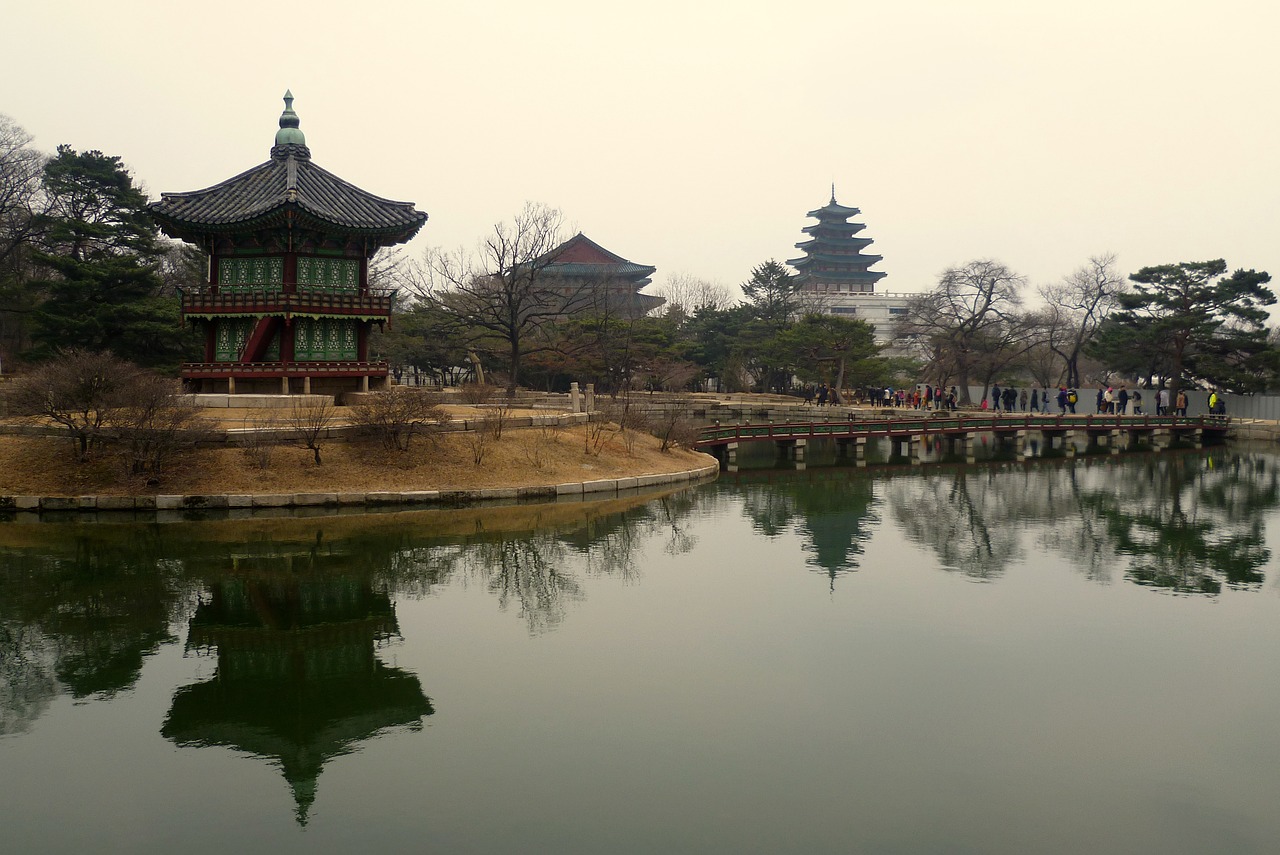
(101,254)
(772,293)
(1192,321)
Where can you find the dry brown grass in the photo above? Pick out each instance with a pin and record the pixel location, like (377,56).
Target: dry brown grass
(47,466)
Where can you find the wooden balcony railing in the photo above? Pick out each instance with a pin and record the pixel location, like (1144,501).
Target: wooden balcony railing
(272,300)
(249,370)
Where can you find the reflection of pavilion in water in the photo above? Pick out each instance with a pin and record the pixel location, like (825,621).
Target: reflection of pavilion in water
(297,680)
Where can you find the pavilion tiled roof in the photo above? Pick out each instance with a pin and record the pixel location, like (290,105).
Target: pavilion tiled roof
(289,182)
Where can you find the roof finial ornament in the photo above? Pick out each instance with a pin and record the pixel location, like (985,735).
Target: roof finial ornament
(289,134)
(833,192)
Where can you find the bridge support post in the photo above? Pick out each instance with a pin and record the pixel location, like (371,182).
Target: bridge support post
(916,448)
(800,445)
(860,451)
(1020,443)
(1198,436)
(1114,441)
(1069,442)
(731,452)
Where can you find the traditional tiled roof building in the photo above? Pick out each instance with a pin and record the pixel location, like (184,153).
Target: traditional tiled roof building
(288,304)
(608,281)
(834,272)
(833,262)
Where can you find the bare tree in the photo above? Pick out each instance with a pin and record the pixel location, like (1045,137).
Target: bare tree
(971,323)
(310,418)
(689,294)
(80,391)
(505,288)
(22,202)
(1078,305)
(394,417)
(20,169)
(153,425)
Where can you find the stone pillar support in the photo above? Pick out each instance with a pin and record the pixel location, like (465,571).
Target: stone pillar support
(575,398)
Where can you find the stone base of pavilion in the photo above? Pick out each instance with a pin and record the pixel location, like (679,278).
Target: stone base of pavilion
(258,402)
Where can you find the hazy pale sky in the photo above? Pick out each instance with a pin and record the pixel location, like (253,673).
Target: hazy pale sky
(695,136)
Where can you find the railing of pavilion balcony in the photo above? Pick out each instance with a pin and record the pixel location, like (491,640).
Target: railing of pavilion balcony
(274,300)
(246,370)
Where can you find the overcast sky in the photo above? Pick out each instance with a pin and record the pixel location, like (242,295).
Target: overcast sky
(695,136)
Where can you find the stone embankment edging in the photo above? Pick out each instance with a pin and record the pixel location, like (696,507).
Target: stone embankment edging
(582,490)
(1259,431)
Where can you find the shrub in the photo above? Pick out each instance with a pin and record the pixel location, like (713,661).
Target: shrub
(79,390)
(396,416)
(152,424)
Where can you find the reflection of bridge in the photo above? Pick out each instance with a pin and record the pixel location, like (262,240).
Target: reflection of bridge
(908,435)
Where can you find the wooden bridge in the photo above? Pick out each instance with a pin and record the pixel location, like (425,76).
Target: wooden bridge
(908,434)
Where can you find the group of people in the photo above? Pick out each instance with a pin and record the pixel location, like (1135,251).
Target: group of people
(924,397)
(1117,403)
(1110,401)
(822,395)
(1010,400)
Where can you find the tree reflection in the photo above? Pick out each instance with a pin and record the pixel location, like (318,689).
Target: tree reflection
(1190,523)
(83,612)
(964,516)
(294,610)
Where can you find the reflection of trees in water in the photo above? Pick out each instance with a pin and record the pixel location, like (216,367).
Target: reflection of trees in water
(1188,523)
(83,614)
(27,684)
(536,573)
(82,606)
(832,510)
(968,517)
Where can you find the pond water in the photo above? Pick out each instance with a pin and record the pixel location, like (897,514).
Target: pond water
(1046,656)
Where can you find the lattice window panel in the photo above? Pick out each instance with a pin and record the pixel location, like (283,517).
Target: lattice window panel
(229,341)
(334,274)
(324,339)
(238,273)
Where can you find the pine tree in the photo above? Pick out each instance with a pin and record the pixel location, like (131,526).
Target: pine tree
(100,250)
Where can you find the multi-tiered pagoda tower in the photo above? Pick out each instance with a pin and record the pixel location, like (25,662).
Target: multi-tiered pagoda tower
(288,304)
(834,272)
(833,262)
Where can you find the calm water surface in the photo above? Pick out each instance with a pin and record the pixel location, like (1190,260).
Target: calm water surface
(1003,658)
